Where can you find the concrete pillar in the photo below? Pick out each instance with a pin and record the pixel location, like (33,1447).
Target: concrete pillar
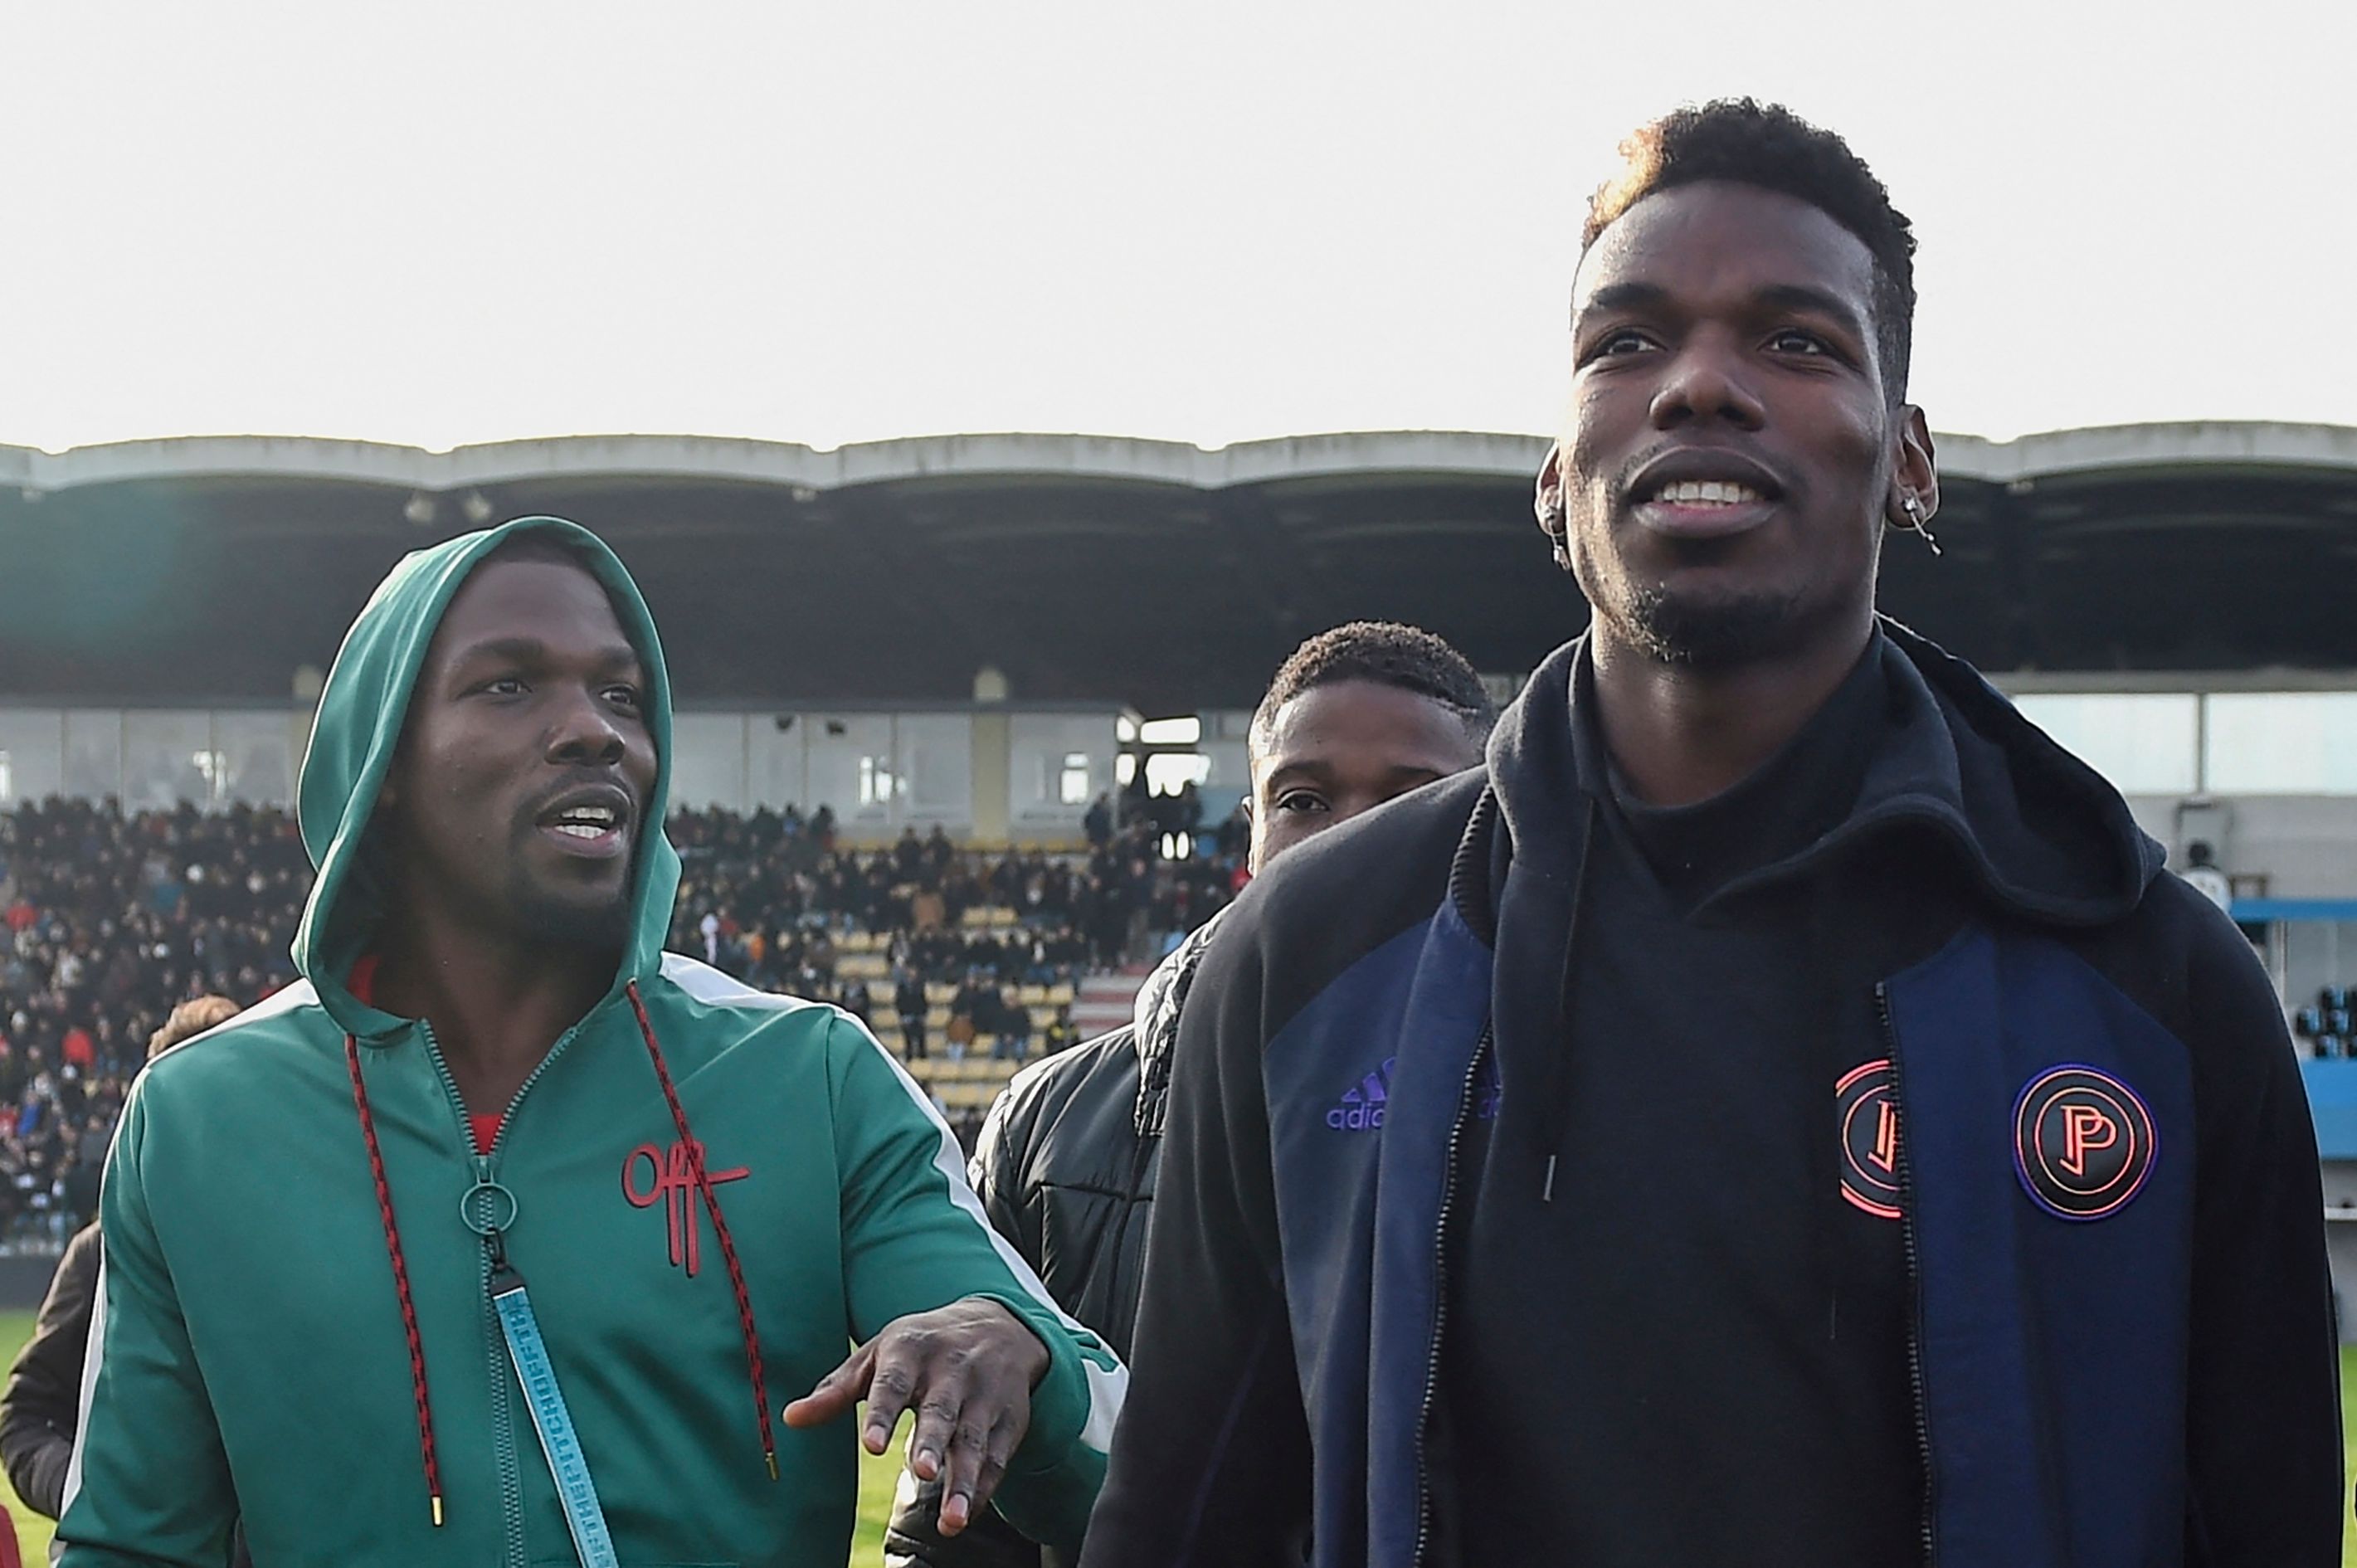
(993,765)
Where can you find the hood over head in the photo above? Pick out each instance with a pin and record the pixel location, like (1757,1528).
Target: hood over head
(359,727)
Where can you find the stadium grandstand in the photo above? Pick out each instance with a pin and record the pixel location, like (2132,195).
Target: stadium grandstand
(960,709)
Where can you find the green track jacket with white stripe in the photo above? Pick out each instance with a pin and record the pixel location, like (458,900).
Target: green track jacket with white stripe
(248,1355)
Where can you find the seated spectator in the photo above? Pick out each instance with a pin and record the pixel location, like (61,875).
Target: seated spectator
(1012,1027)
(909,1000)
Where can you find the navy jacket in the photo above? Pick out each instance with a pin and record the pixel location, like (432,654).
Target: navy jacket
(2123,1350)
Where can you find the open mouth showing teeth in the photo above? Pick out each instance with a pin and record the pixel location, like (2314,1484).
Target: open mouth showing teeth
(585,822)
(1707,493)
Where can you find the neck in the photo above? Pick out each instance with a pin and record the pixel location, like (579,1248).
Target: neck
(1680,734)
(496,1001)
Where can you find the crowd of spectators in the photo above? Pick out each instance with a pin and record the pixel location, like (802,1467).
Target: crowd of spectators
(110,922)
(107,922)
(765,897)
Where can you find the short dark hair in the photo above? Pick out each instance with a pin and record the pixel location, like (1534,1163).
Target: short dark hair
(1388,654)
(1746,142)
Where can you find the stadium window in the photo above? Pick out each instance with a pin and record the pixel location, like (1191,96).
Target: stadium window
(875,782)
(7,781)
(1073,783)
(1168,772)
(1124,731)
(1124,768)
(212,766)
(2282,742)
(1184,731)
(2142,742)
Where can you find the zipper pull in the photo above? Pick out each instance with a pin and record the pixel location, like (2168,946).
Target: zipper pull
(488,1209)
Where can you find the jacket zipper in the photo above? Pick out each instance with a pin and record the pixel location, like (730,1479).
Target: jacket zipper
(1906,1175)
(504,1445)
(1440,1306)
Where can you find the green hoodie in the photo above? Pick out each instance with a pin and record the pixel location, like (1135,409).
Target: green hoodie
(248,1355)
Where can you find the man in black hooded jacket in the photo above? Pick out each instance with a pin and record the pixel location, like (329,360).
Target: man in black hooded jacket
(1782,1114)
(1357,717)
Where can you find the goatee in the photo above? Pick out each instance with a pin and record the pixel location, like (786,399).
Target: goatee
(1711,633)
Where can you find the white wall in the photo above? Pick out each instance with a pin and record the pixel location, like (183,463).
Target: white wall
(150,758)
(880,771)
(1039,748)
(2305,845)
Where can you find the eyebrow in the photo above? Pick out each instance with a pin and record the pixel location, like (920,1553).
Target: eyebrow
(1635,296)
(1320,769)
(533,650)
(1802,296)
(1622,296)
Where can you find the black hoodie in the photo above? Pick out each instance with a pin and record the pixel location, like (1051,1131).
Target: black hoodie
(1670,1325)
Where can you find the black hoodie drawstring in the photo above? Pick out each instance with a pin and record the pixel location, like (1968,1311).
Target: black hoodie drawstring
(401,1267)
(1558,1099)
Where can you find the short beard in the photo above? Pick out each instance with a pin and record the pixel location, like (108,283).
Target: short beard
(1712,634)
(566,922)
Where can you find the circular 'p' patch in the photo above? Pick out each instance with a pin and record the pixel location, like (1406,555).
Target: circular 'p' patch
(1869,1109)
(2084,1143)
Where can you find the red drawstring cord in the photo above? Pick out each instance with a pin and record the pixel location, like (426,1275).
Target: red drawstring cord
(400,1281)
(400,1269)
(720,1225)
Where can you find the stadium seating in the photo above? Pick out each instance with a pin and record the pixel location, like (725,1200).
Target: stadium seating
(106,920)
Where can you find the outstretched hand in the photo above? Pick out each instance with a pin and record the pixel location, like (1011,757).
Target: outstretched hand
(968,1370)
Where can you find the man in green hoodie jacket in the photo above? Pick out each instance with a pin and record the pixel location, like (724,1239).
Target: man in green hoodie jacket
(488,1240)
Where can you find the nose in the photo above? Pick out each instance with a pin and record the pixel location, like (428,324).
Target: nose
(585,734)
(1704,383)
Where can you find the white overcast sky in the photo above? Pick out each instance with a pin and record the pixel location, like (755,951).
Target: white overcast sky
(441,224)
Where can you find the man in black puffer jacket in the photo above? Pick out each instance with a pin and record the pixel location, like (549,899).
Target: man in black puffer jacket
(1066,1165)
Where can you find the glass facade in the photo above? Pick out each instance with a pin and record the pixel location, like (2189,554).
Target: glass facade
(2144,742)
(32,755)
(150,758)
(2282,742)
(883,770)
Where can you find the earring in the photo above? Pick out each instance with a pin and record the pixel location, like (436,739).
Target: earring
(1917,523)
(1562,558)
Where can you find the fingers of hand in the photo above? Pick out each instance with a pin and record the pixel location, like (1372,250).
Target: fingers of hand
(941,1379)
(979,1454)
(896,1382)
(836,1393)
(936,1431)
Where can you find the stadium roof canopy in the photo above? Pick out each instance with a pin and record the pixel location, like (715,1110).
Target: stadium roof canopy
(1098,569)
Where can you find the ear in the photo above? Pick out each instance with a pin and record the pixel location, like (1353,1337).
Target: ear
(1915,472)
(1546,498)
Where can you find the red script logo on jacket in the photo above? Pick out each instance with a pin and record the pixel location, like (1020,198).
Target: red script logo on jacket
(672,1181)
